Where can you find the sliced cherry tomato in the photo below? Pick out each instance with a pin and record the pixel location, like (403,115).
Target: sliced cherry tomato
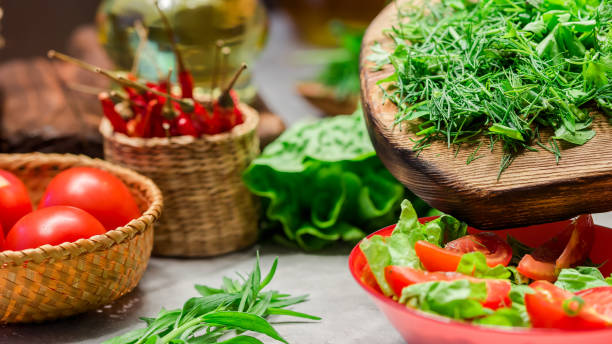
(553,307)
(537,269)
(435,258)
(580,243)
(493,247)
(14,200)
(96,191)
(53,226)
(399,277)
(600,298)
(567,249)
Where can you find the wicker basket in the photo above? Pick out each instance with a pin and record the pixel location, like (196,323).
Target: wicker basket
(56,281)
(207,209)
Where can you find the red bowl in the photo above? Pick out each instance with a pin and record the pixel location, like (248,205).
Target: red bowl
(420,327)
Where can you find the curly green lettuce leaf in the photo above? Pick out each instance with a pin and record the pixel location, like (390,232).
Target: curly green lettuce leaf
(321,182)
(580,278)
(514,316)
(475,264)
(462,300)
(459,299)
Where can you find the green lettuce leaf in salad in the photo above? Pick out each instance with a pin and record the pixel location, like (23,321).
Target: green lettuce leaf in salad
(513,316)
(475,264)
(459,299)
(462,300)
(398,249)
(582,277)
(321,182)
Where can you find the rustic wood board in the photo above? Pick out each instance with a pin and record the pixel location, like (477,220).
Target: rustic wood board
(533,190)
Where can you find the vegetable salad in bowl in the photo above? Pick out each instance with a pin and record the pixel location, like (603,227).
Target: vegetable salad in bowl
(444,268)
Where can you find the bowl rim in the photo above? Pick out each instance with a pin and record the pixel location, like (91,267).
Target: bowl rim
(96,243)
(441,320)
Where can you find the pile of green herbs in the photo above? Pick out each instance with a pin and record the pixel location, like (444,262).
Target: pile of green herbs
(460,299)
(220,315)
(505,69)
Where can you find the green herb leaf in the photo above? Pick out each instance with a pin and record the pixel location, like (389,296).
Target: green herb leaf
(579,137)
(519,250)
(243,321)
(242,340)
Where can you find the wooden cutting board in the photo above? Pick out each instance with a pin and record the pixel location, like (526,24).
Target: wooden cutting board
(534,189)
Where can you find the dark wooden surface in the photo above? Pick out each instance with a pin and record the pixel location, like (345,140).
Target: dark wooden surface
(41,111)
(534,189)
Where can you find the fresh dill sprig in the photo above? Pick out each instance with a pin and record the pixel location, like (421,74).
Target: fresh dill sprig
(506,69)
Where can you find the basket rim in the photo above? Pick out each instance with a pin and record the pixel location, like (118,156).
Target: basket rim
(96,243)
(250,124)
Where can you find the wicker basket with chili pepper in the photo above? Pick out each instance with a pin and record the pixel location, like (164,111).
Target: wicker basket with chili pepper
(194,150)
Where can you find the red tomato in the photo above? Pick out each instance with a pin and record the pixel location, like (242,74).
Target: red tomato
(537,269)
(580,243)
(435,258)
(600,298)
(399,277)
(14,200)
(553,307)
(97,192)
(53,226)
(570,247)
(493,247)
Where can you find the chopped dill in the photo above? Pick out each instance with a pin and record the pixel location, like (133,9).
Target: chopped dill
(506,69)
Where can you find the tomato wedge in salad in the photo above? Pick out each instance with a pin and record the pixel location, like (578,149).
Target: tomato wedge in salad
(435,258)
(567,249)
(600,299)
(399,277)
(552,307)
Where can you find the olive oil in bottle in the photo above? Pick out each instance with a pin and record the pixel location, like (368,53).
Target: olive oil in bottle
(198,26)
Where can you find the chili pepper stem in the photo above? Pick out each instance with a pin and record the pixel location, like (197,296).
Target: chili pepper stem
(225,98)
(52,54)
(129,83)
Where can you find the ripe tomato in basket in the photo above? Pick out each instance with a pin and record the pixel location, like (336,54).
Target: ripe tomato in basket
(14,200)
(96,191)
(53,226)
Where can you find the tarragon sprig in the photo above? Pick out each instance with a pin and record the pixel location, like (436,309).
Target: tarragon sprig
(238,306)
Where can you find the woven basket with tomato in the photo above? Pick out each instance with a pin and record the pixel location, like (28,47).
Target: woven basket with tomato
(85,244)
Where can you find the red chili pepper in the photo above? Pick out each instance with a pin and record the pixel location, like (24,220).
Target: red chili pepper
(238,115)
(184,125)
(153,127)
(185,79)
(228,112)
(108,107)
